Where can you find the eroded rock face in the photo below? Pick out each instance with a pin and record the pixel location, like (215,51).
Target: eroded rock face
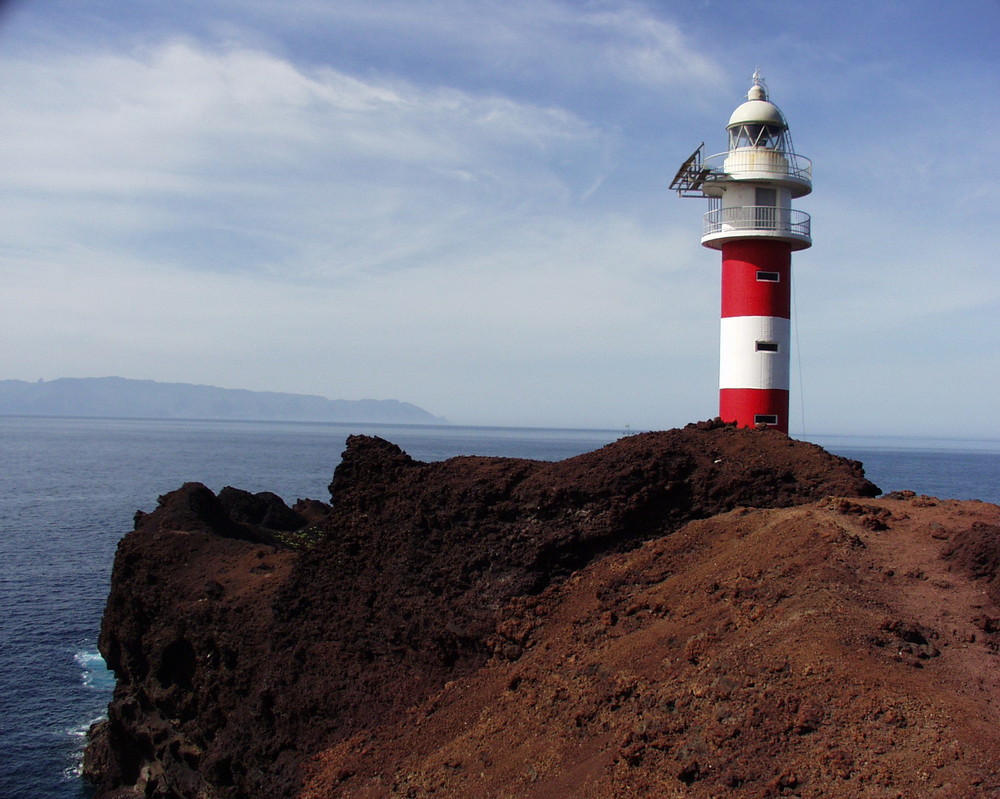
(242,650)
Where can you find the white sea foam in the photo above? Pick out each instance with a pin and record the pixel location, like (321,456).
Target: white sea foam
(94,675)
(78,736)
(94,671)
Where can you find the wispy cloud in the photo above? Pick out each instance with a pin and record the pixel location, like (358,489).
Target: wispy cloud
(179,137)
(599,44)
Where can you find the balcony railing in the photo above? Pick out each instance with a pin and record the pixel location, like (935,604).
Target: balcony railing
(757,163)
(767,220)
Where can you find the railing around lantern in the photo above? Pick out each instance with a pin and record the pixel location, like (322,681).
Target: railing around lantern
(766,219)
(775,164)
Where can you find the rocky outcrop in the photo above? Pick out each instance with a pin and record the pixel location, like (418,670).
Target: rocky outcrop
(835,650)
(245,647)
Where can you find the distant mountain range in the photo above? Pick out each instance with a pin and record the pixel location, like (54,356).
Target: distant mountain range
(118,397)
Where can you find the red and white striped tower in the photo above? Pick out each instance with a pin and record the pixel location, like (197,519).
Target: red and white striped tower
(750,188)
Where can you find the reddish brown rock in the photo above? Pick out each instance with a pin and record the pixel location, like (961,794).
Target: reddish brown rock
(244,652)
(755,655)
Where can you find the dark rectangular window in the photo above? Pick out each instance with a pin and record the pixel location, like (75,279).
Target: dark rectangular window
(768,277)
(767,346)
(765,418)
(764,211)
(766,197)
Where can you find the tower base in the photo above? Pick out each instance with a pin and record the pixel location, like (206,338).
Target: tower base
(749,407)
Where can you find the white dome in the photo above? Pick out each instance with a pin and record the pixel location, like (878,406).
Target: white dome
(761,112)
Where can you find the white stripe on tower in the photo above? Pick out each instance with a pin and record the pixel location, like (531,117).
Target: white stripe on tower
(754,352)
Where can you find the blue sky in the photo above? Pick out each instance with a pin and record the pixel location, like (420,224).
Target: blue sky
(464,204)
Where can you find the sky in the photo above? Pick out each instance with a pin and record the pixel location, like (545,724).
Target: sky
(464,204)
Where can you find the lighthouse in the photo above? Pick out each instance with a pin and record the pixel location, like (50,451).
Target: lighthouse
(750,219)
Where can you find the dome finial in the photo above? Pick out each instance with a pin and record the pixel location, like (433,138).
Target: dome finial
(759,89)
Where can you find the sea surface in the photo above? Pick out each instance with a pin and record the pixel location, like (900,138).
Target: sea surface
(70,487)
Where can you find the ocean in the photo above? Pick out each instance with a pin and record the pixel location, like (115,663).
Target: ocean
(70,487)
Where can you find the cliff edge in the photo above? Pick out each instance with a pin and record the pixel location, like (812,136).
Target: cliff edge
(501,627)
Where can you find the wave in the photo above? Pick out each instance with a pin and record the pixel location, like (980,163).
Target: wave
(95,676)
(78,738)
(94,672)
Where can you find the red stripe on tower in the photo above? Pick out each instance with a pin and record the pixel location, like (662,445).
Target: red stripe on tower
(750,219)
(743,405)
(756,278)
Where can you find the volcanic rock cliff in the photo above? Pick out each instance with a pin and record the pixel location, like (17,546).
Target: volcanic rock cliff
(702,612)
